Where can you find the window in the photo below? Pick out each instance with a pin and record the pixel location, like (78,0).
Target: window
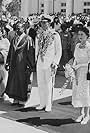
(42,5)
(42,10)
(86,3)
(63,4)
(86,10)
(63,10)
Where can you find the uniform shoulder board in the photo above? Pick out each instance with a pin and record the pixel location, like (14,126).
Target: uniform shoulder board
(54,33)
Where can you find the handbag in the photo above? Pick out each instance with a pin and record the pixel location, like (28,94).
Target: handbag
(88,73)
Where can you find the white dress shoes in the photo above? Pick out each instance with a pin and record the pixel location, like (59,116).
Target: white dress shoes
(22,103)
(40,107)
(79,119)
(48,109)
(85,120)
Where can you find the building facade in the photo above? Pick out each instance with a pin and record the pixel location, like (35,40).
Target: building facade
(53,6)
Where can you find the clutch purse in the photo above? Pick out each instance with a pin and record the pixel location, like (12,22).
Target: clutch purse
(88,73)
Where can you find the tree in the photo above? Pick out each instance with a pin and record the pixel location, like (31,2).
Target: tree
(1,8)
(1,2)
(14,7)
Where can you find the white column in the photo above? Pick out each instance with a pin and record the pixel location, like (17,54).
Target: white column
(46,6)
(50,5)
(24,8)
(68,8)
(34,7)
(78,6)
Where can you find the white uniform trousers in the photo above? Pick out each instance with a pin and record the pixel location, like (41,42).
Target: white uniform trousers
(44,80)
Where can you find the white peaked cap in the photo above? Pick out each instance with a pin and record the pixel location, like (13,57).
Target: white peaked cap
(45,17)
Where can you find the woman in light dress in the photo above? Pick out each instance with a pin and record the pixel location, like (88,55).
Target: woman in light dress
(4,48)
(81,86)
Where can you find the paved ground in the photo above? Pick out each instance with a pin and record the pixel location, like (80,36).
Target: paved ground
(9,114)
(27,120)
(60,79)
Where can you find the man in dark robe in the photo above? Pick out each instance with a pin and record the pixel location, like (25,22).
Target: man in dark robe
(12,33)
(20,61)
(32,33)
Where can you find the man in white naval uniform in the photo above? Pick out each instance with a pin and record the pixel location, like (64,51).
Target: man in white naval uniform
(48,54)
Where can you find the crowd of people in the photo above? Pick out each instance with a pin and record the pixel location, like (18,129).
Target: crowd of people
(45,44)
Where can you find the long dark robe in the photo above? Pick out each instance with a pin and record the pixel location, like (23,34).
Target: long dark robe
(21,61)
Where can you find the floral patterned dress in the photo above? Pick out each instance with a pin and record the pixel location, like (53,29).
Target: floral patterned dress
(81,86)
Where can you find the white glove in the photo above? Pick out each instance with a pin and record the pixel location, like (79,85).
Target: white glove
(54,65)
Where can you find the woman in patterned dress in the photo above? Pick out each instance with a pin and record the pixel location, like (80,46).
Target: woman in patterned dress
(81,86)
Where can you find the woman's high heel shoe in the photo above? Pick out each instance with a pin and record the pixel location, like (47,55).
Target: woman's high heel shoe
(79,119)
(85,120)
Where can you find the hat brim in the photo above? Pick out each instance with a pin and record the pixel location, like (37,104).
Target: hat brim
(45,19)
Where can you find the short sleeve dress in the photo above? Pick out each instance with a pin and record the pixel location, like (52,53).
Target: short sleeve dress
(81,86)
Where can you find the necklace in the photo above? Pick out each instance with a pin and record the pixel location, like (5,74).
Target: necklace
(82,45)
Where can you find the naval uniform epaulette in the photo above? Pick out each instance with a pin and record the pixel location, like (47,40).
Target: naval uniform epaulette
(54,33)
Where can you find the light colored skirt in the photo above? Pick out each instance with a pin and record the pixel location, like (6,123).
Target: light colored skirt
(81,89)
(3,79)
